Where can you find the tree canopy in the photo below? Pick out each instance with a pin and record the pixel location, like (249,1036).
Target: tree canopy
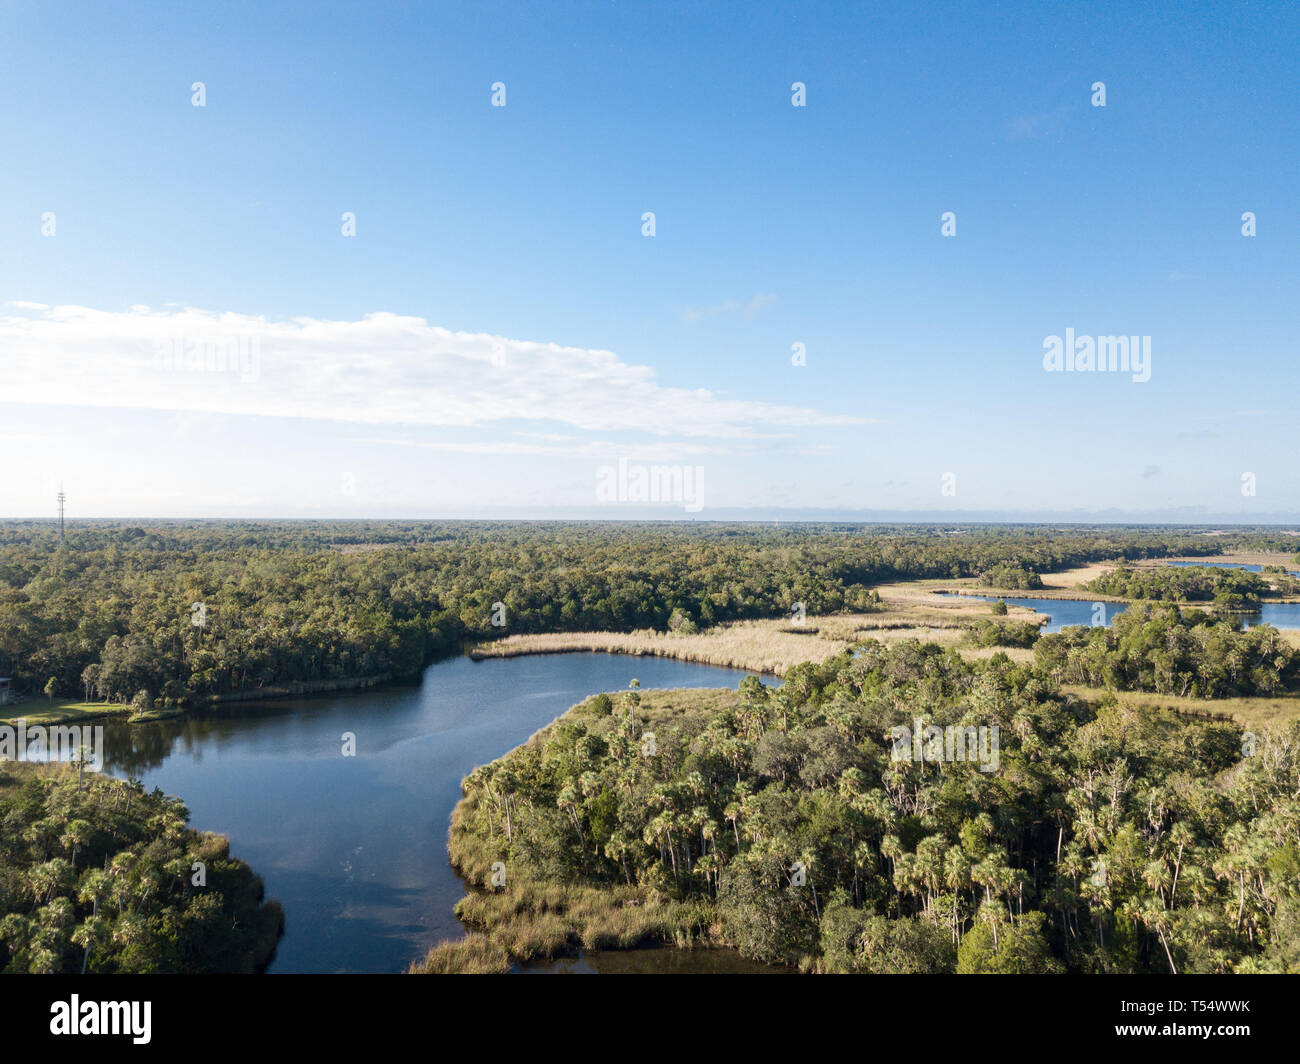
(1105,839)
(96,875)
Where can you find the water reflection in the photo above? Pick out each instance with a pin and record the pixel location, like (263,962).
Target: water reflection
(654,960)
(355,847)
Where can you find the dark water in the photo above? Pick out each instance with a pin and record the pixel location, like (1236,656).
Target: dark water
(355,847)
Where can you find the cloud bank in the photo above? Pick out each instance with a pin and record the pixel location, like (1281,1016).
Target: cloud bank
(385,369)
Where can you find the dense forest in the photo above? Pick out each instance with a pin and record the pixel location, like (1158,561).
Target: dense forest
(786,824)
(778,821)
(1011,577)
(98,876)
(173,613)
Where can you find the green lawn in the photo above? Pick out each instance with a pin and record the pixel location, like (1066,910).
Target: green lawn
(61,711)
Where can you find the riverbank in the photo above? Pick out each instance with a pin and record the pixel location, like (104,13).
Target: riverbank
(754,646)
(301,688)
(536,920)
(156,922)
(66,711)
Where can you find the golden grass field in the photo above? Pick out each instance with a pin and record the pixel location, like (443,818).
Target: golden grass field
(774,646)
(1066,584)
(911,611)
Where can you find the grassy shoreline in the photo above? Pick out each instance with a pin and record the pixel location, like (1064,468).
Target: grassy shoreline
(534,919)
(772,659)
(1253,712)
(775,646)
(65,711)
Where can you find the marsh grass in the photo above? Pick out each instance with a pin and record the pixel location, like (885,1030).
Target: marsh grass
(759,646)
(534,919)
(1254,712)
(768,646)
(473,955)
(531,919)
(14,774)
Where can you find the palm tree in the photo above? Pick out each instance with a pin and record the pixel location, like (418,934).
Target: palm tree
(568,801)
(659,829)
(1181,836)
(617,847)
(956,877)
(90,934)
(93,888)
(74,837)
(1150,915)
(45,880)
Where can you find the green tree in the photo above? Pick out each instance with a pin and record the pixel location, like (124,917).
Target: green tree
(999,944)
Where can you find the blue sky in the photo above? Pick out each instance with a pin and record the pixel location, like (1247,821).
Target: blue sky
(516,231)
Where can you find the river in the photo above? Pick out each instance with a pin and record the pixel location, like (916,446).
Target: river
(1062,613)
(355,848)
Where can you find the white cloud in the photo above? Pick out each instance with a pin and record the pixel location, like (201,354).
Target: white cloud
(384,369)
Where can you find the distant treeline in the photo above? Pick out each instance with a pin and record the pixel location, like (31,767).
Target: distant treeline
(173,612)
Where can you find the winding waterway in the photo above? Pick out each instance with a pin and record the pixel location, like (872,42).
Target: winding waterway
(354,848)
(1063,613)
